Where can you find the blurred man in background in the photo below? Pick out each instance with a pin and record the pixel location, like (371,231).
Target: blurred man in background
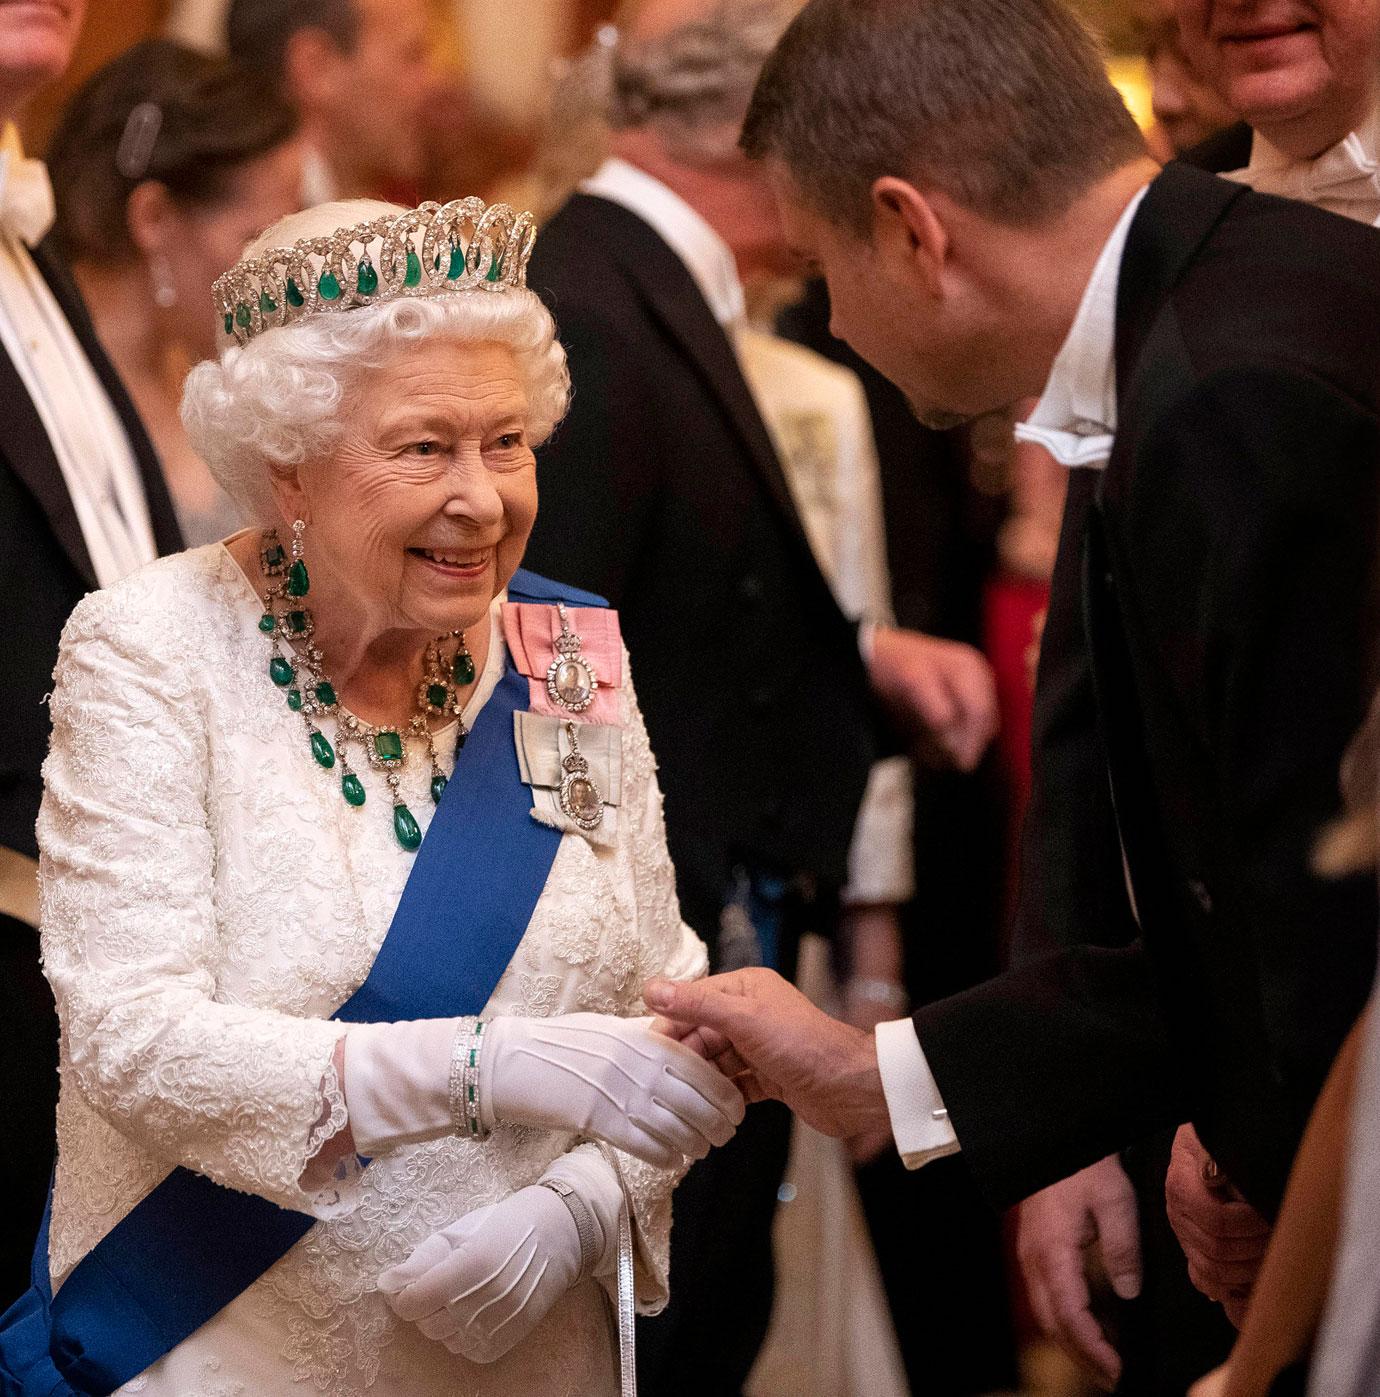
(664,492)
(358,72)
(1186,107)
(82,503)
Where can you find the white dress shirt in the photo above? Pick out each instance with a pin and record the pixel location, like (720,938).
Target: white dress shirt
(1075,421)
(781,378)
(87,436)
(1343,180)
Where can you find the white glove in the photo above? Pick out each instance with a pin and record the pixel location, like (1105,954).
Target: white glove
(613,1079)
(481,1285)
(587,1073)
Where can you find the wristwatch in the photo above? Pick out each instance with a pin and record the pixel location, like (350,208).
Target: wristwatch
(586,1225)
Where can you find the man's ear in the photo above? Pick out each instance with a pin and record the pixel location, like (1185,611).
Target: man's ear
(908,233)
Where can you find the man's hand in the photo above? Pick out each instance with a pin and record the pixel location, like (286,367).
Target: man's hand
(1059,1226)
(941,691)
(1223,1237)
(773,1042)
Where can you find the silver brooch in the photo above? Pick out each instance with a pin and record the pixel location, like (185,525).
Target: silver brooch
(580,798)
(570,680)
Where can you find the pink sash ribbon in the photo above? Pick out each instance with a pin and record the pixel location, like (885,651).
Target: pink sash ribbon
(531,632)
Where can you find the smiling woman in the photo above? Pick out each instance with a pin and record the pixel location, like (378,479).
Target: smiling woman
(346,904)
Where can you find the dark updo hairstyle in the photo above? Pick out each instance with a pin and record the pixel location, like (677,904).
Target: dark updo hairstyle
(160,111)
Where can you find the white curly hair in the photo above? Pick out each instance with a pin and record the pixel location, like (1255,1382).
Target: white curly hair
(276,401)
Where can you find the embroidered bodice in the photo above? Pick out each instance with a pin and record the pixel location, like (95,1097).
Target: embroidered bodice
(208,899)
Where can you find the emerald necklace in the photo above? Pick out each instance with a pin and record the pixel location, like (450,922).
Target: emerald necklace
(295,666)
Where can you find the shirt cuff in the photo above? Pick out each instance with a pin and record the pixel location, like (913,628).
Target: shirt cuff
(919,1118)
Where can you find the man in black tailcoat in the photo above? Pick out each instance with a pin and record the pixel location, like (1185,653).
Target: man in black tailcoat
(662,491)
(1208,358)
(82,501)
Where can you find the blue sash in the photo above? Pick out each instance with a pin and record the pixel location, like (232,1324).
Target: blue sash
(188,1249)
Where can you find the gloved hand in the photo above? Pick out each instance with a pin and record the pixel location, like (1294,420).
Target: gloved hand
(481,1285)
(613,1079)
(588,1073)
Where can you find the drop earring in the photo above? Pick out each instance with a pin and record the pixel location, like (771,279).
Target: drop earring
(297,580)
(160,273)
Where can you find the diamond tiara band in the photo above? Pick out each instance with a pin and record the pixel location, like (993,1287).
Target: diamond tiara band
(432,250)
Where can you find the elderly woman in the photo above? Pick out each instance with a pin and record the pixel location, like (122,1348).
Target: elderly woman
(353,866)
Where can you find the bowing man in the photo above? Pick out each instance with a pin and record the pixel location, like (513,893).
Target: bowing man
(1207,357)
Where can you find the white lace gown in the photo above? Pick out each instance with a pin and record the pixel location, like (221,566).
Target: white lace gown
(208,899)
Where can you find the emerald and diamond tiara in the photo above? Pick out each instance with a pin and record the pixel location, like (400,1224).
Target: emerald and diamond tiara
(432,250)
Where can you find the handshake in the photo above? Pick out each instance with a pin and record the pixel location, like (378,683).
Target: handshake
(676,1086)
(661,1090)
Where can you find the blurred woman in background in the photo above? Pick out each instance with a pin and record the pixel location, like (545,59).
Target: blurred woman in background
(165,164)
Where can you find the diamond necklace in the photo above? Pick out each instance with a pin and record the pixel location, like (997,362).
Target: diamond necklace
(295,666)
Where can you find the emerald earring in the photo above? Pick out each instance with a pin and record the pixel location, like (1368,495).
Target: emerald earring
(297,580)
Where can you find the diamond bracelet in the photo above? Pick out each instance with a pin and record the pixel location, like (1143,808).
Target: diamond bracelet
(464,1079)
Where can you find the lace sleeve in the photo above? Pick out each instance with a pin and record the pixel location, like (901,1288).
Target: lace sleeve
(129,931)
(669,948)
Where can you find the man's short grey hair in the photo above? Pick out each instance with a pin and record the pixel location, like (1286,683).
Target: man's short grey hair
(283,398)
(1004,106)
(257,31)
(693,81)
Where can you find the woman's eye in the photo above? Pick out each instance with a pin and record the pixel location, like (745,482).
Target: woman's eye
(425,448)
(509,440)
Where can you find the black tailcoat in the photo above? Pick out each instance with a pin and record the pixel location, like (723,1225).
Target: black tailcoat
(44,571)
(1206,659)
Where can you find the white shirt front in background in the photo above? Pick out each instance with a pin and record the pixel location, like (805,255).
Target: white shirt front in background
(87,436)
(1344,179)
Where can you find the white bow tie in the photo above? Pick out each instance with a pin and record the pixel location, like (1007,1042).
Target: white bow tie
(1345,174)
(26,198)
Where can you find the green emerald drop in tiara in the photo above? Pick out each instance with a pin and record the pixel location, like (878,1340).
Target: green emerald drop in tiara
(432,250)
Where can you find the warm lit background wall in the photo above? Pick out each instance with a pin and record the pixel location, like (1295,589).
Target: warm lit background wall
(504,48)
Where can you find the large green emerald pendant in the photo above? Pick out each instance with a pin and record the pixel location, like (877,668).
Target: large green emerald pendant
(436,695)
(367,280)
(294,294)
(413,277)
(406,828)
(438,786)
(294,697)
(462,667)
(388,746)
(328,287)
(322,750)
(297,580)
(279,671)
(457,264)
(267,624)
(325,693)
(352,788)
(267,305)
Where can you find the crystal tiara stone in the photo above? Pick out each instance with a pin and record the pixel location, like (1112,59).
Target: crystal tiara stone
(432,250)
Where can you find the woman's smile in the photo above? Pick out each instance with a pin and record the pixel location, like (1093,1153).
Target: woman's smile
(460,564)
